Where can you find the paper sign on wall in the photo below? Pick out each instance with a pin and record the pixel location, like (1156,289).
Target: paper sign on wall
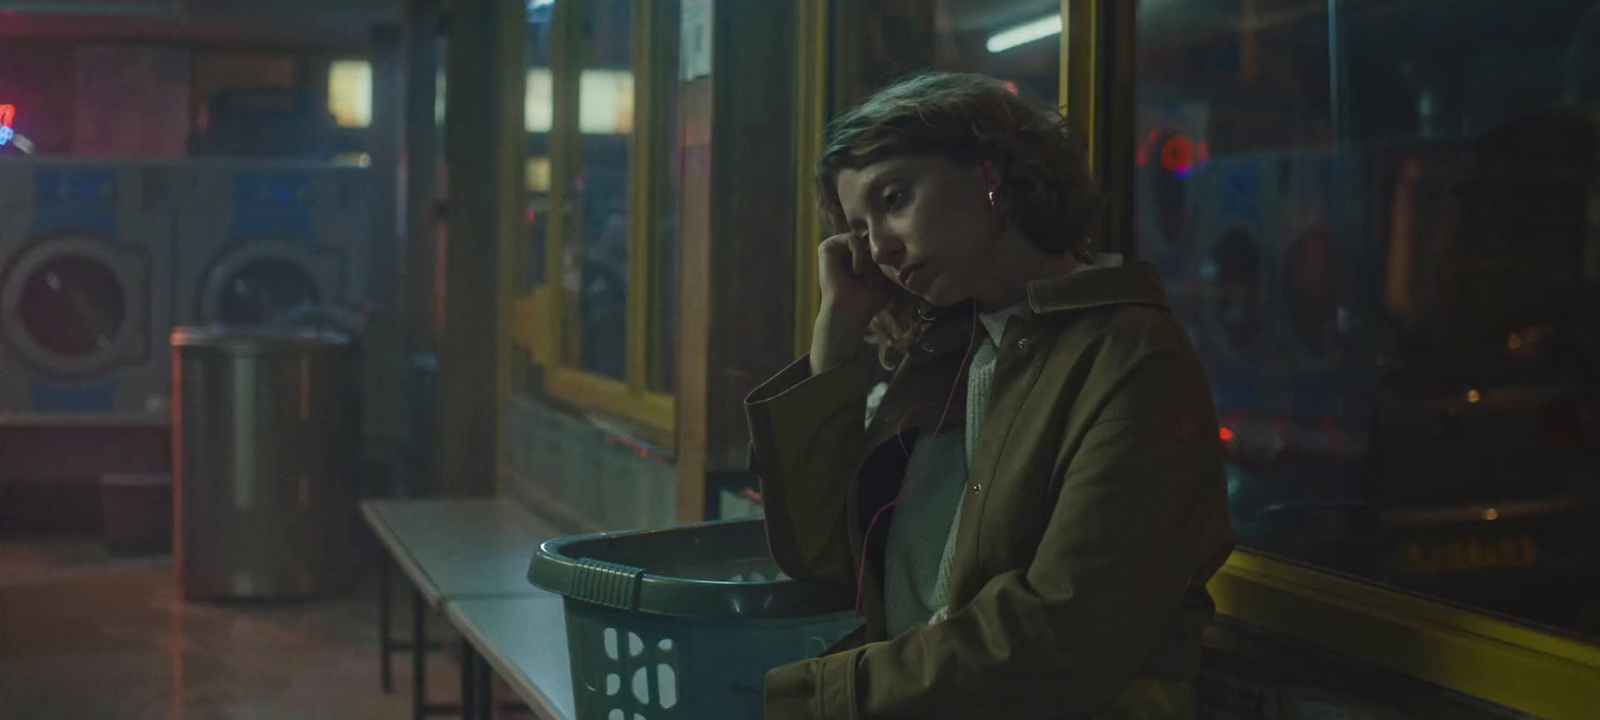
(694,59)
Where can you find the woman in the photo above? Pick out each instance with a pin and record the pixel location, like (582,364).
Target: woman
(1032,513)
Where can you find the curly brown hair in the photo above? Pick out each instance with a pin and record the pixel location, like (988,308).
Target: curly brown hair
(1043,186)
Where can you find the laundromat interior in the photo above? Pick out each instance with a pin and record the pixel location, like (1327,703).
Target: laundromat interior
(389,358)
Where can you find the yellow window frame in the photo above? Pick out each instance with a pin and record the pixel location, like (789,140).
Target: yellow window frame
(538,315)
(1516,666)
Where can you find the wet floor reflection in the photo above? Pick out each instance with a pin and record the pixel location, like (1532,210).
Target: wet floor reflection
(84,636)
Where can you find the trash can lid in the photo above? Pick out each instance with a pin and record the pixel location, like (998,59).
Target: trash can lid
(259,337)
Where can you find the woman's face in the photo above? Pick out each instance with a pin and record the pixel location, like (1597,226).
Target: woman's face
(929,224)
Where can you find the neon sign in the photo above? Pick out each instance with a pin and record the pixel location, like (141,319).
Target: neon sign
(8,113)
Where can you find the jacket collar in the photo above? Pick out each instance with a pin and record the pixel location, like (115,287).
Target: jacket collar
(1134,283)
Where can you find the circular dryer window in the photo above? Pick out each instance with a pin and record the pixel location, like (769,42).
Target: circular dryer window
(265,291)
(1238,287)
(73,306)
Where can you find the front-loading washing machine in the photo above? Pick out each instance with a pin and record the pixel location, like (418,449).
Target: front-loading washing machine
(85,260)
(259,243)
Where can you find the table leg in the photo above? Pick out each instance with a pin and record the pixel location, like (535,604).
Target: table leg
(469,685)
(419,656)
(485,690)
(385,631)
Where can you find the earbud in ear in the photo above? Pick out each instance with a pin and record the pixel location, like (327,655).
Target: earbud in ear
(988,175)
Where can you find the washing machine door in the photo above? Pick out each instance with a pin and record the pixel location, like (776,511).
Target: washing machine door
(75,305)
(264,282)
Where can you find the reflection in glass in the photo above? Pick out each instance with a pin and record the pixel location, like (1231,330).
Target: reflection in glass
(538,110)
(1375,230)
(1018,41)
(595,252)
(1312,290)
(666,178)
(1235,266)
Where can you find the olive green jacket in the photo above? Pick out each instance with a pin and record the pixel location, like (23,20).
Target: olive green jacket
(1096,511)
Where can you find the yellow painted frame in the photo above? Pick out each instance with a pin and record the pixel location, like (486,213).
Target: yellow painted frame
(1079,68)
(1519,667)
(811,104)
(538,315)
(511,138)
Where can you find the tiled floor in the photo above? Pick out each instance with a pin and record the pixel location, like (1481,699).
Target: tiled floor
(87,637)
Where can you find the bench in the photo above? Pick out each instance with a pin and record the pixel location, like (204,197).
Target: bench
(454,551)
(523,641)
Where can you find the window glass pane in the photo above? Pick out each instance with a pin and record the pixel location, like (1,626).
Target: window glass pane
(666,173)
(879,41)
(1378,227)
(538,110)
(595,255)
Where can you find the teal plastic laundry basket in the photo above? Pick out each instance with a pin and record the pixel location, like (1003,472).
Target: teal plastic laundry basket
(683,622)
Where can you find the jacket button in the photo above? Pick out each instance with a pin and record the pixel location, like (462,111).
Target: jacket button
(1023,344)
(927,347)
(977,488)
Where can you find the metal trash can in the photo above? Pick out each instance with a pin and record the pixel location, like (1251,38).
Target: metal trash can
(684,622)
(266,442)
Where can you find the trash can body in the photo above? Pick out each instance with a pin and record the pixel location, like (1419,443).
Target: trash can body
(266,442)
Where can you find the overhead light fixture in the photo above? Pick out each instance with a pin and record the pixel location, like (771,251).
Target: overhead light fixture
(1025,33)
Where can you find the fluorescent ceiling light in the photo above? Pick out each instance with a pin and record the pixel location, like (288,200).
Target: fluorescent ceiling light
(1025,33)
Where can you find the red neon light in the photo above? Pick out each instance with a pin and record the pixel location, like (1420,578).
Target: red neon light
(1226,434)
(1177,154)
(8,113)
